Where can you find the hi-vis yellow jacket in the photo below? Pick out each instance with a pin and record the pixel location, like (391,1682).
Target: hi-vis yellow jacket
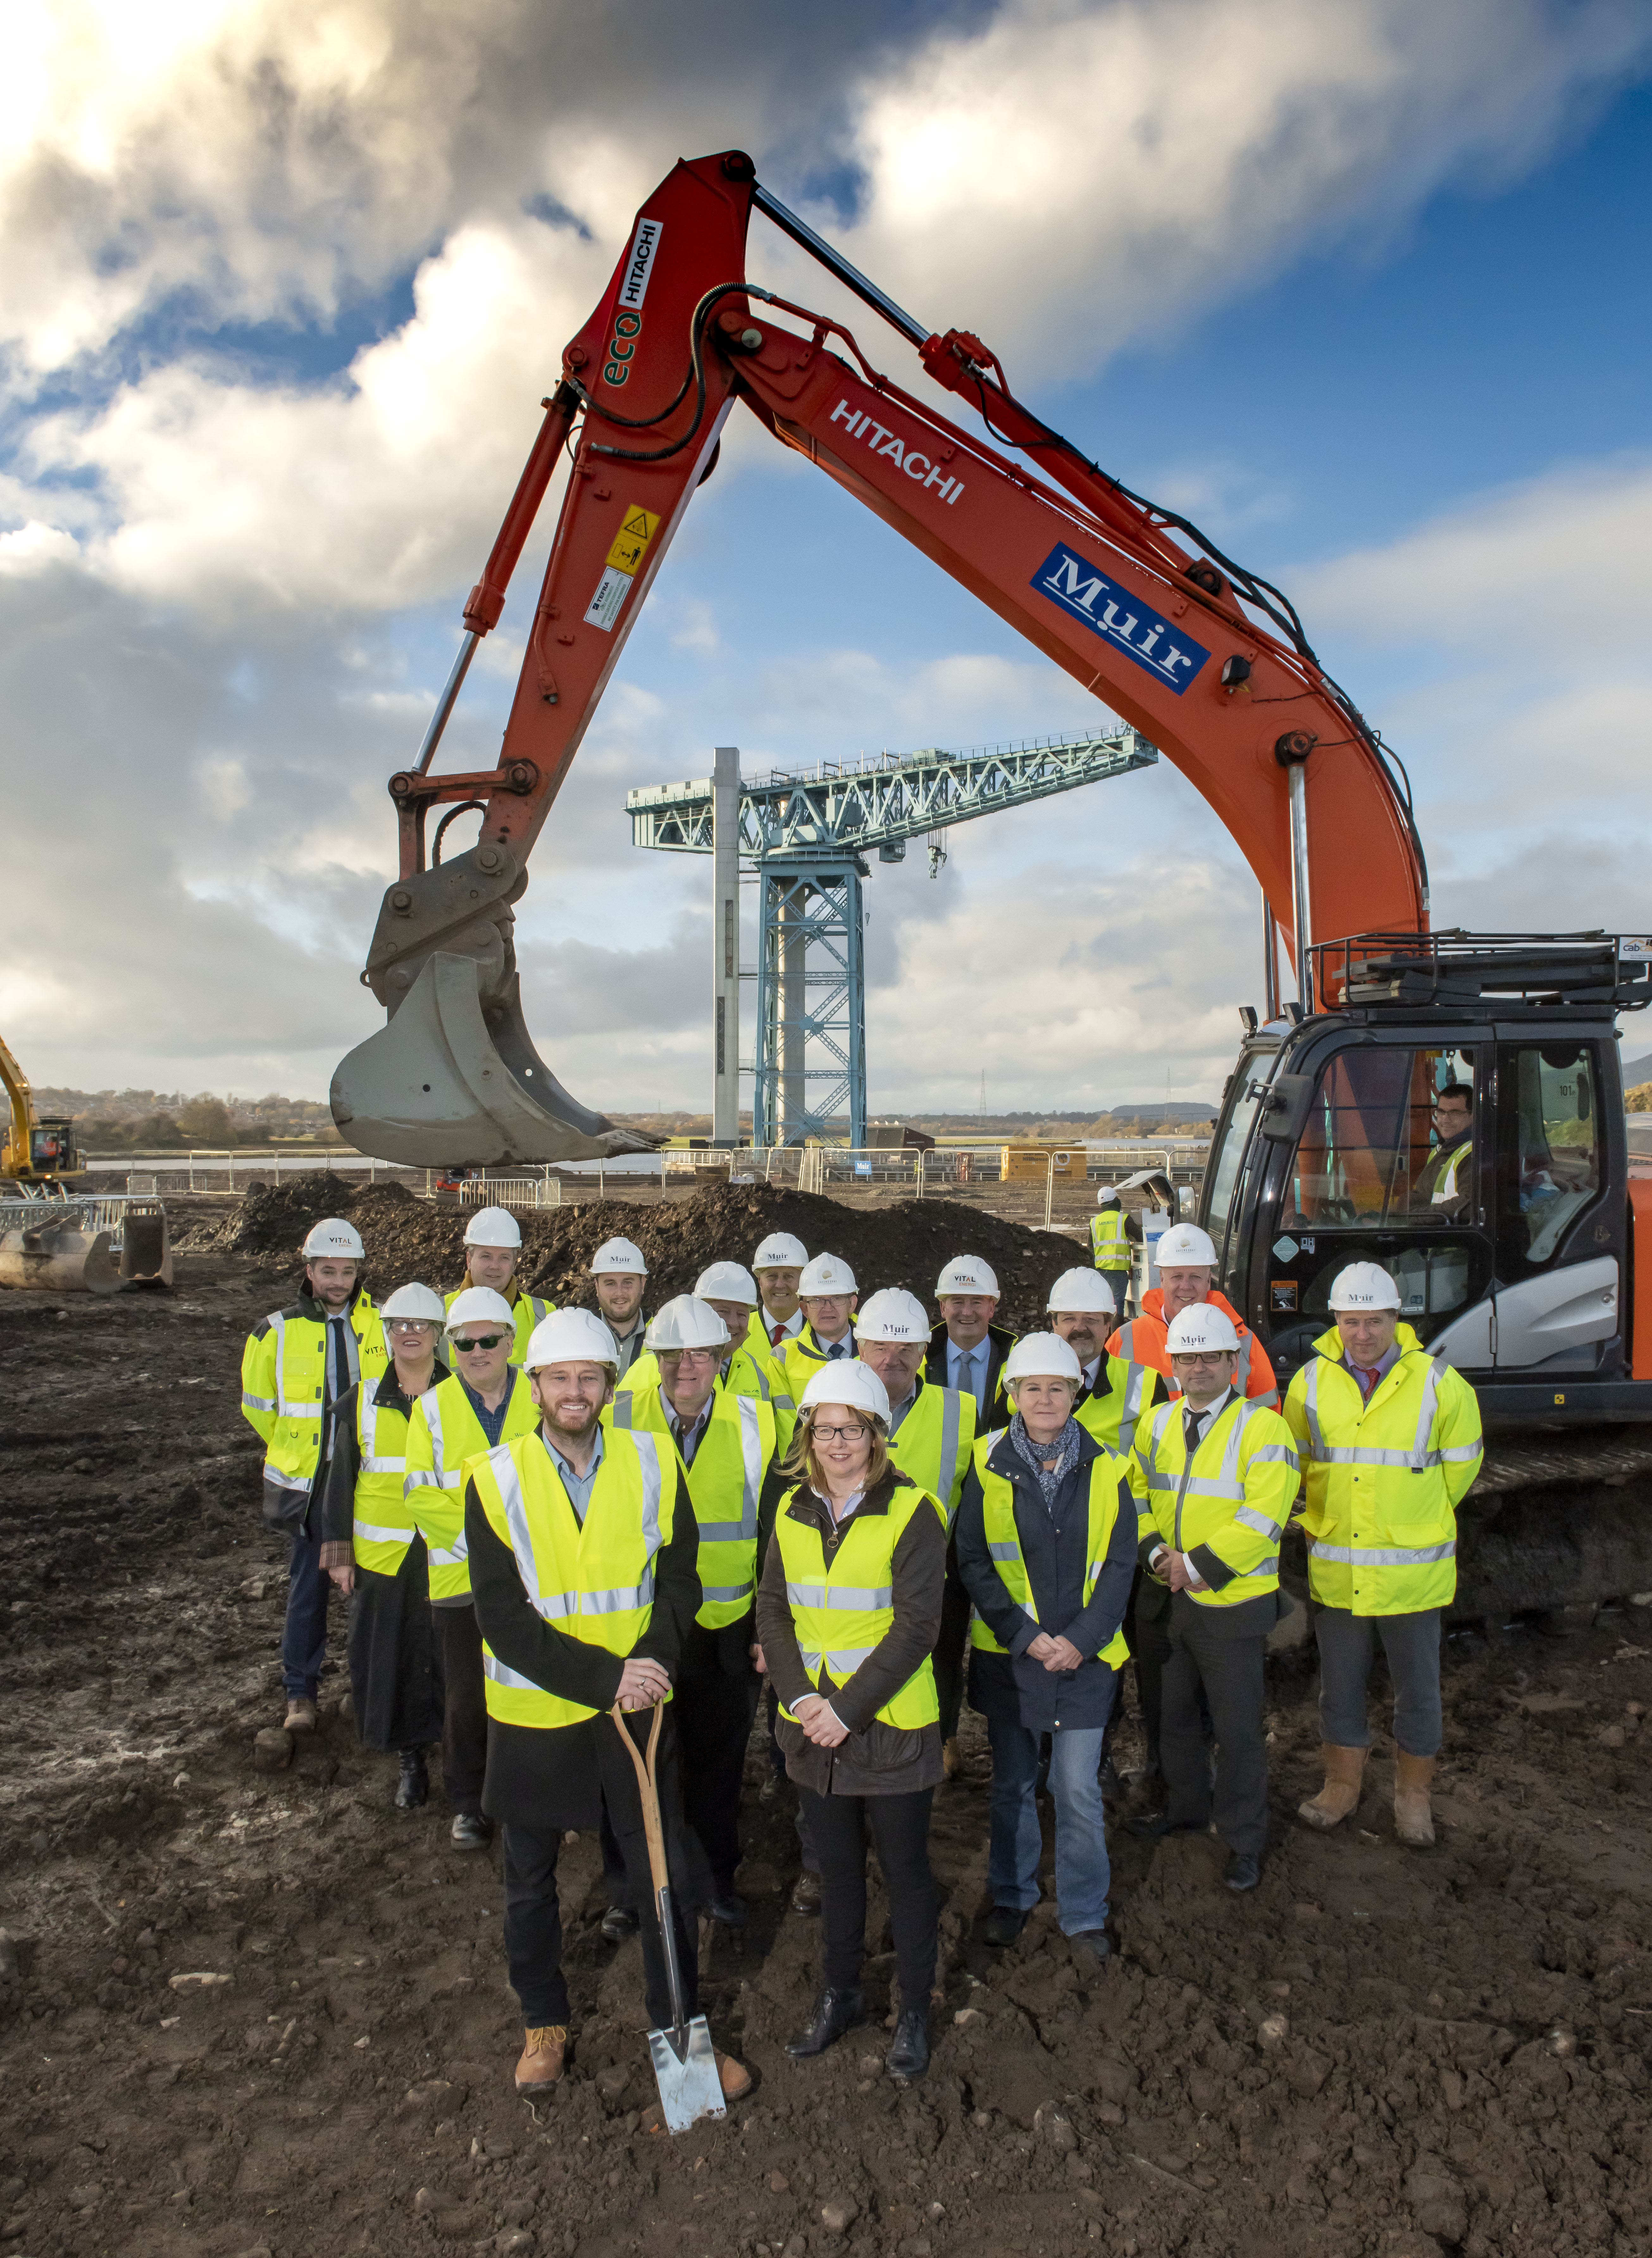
(1110,1244)
(724,1485)
(444,1435)
(1385,1478)
(1228,1505)
(1003,1543)
(747,1373)
(842,1613)
(283,1374)
(933,1442)
(1124,1390)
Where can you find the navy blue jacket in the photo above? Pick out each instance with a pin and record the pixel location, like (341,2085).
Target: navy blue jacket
(1053,1545)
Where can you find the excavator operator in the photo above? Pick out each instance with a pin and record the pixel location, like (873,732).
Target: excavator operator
(1444,1180)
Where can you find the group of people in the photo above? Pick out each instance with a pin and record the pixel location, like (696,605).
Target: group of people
(545,1514)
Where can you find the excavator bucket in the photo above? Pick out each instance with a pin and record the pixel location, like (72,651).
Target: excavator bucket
(145,1250)
(57,1255)
(449,1083)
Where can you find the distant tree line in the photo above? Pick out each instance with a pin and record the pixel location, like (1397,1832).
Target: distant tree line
(148,1120)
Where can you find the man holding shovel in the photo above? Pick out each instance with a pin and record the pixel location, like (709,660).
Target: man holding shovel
(582,1550)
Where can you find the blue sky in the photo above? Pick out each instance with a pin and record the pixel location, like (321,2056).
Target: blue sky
(1377,318)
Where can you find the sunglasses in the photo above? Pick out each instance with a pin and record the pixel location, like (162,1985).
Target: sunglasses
(479,1341)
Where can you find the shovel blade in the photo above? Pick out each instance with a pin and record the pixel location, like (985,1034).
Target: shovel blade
(685,2071)
(58,1258)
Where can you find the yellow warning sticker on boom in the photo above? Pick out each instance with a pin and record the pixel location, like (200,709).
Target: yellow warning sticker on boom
(630,543)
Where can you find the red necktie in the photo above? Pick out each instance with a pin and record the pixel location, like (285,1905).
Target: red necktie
(1367,1381)
(776,1335)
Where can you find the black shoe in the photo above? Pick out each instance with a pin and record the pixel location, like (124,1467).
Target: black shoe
(1242,1872)
(1004,1925)
(619,1923)
(413,1789)
(806,1896)
(1153,1826)
(909,2055)
(733,1912)
(1091,1944)
(834,2013)
(470,1831)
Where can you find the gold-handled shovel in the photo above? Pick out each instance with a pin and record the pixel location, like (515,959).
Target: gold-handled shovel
(684,2063)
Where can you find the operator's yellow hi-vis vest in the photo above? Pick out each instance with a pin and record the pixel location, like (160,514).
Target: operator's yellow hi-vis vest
(933,1441)
(283,1375)
(1234,1496)
(724,1485)
(444,1435)
(1003,1543)
(526,1311)
(383,1527)
(840,1614)
(1111,1414)
(1385,1478)
(1110,1244)
(594,1580)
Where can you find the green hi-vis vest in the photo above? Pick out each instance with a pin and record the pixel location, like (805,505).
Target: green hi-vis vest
(1234,1495)
(594,1580)
(383,1526)
(442,1435)
(1003,1543)
(283,1374)
(933,1442)
(724,1484)
(526,1311)
(840,1614)
(1385,1478)
(1110,1244)
(1111,1414)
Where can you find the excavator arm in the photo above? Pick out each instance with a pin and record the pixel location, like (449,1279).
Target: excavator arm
(1127,599)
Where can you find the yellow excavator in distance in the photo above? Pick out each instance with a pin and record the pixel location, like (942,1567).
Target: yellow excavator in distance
(47,1246)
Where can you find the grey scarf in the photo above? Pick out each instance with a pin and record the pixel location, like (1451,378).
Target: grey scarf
(1064,1451)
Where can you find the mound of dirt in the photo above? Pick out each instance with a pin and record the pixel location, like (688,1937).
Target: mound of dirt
(901,1245)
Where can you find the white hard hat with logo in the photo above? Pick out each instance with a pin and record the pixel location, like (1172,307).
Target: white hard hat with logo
(780,1250)
(480,1305)
(684,1322)
(419,1305)
(335,1239)
(571,1337)
(492,1227)
(1105,1193)
(892,1314)
(847,1381)
(827,1273)
(726,1281)
(618,1258)
(967,1274)
(1081,1289)
(1202,1331)
(1042,1356)
(1364,1286)
(1184,1247)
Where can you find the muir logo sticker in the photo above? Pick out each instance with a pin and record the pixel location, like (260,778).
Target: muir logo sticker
(1119,618)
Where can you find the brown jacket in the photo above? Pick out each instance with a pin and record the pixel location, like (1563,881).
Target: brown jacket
(876,1759)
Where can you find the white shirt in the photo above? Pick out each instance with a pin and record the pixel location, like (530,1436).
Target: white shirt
(789,1331)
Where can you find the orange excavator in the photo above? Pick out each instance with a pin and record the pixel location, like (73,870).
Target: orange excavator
(1449,1104)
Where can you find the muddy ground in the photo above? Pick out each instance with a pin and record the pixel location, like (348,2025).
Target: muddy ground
(243,2013)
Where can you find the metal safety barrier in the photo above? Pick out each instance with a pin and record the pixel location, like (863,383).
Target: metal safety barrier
(511,1191)
(101,1211)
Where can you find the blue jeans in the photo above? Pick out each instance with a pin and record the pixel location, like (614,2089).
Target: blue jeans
(304,1633)
(1083,1873)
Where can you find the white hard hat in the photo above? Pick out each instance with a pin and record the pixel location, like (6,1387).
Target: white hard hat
(616,1257)
(726,1281)
(1081,1289)
(825,1274)
(780,1250)
(967,1274)
(684,1322)
(1184,1246)
(892,1314)
(418,1303)
(1202,1330)
(336,1238)
(1364,1286)
(492,1227)
(847,1381)
(572,1336)
(479,1305)
(1043,1356)
(1105,1192)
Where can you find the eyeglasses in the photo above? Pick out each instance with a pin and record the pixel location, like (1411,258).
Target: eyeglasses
(479,1341)
(836,1434)
(411,1325)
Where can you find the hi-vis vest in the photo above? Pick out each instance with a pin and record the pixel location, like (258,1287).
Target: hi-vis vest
(1385,1478)
(1145,1339)
(1109,1246)
(724,1484)
(840,1614)
(933,1442)
(283,1372)
(1124,1391)
(1234,1496)
(442,1434)
(526,1309)
(1003,1543)
(801,1357)
(748,1372)
(383,1526)
(595,1581)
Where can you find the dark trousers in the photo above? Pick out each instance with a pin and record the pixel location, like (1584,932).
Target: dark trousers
(948,1657)
(1220,1650)
(395,1668)
(1411,1647)
(1148,1633)
(715,1712)
(304,1633)
(533,1913)
(465,1708)
(899,1828)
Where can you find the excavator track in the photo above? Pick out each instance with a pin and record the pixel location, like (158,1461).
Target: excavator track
(1559,1525)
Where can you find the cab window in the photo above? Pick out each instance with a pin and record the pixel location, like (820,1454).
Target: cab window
(1389,1143)
(1551,1170)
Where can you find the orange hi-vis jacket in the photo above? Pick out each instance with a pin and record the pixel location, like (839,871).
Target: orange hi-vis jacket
(1144,1341)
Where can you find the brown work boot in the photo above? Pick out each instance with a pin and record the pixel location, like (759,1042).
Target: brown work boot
(806,1895)
(952,1762)
(540,2062)
(1345,1769)
(300,1715)
(1413,1817)
(732,2076)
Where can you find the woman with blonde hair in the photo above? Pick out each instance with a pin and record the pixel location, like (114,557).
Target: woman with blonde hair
(849,1609)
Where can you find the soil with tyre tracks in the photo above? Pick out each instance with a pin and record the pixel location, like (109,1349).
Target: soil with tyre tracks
(243,2013)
